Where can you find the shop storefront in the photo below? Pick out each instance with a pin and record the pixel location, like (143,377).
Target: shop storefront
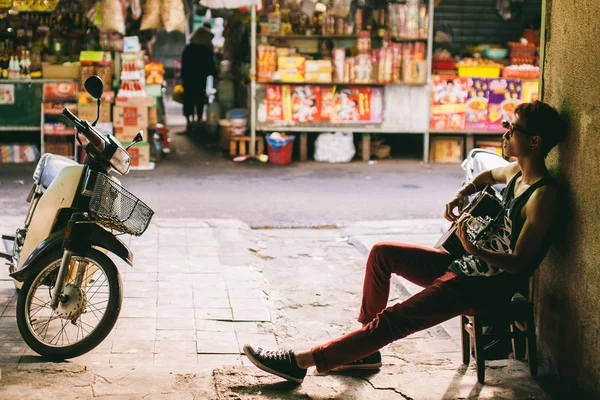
(47,51)
(376,68)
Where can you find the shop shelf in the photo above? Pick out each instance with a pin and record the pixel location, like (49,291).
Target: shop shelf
(479,71)
(65,132)
(340,37)
(341,83)
(58,111)
(466,132)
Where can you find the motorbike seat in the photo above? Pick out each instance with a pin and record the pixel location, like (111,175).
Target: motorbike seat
(53,166)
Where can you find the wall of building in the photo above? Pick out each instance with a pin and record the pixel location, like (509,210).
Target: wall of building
(568,283)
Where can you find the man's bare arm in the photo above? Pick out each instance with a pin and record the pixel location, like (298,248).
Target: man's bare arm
(539,216)
(481,180)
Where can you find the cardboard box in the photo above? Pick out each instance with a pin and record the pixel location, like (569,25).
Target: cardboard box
(52,71)
(446,149)
(414,71)
(448,102)
(139,153)
(130,116)
(127,134)
(477,103)
(529,91)
(141,101)
(291,63)
(505,96)
(318,66)
(492,145)
(152,117)
(89,112)
(318,77)
(291,75)
(66,91)
(87,107)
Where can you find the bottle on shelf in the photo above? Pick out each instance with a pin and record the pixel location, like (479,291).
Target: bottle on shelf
(3,61)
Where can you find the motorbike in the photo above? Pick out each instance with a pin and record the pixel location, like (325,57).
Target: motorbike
(70,290)
(479,160)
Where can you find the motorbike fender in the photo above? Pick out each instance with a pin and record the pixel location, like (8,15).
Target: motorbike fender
(94,236)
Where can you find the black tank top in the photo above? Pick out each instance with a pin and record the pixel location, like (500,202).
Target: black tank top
(502,235)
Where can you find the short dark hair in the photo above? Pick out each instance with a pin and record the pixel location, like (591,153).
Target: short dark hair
(543,120)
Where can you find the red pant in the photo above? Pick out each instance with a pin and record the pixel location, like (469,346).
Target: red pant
(446,295)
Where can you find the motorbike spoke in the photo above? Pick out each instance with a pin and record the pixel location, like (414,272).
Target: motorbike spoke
(38,309)
(41,323)
(94,312)
(42,318)
(83,322)
(84,333)
(90,297)
(58,333)
(67,336)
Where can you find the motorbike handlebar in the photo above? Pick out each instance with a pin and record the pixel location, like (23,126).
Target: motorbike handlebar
(86,130)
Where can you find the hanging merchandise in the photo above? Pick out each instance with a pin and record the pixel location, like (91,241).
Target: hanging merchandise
(136,9)
(151,17)
(341,9)
(113,16)
(173,15)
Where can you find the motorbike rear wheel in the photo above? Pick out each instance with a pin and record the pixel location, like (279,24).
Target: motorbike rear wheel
(88,314)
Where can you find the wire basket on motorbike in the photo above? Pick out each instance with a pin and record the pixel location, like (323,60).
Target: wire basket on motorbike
(116,208)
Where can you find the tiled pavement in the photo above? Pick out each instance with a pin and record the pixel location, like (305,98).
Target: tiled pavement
(196,295)
(191,297)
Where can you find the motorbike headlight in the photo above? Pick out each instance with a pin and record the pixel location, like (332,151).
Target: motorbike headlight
(37,174)
(120,161)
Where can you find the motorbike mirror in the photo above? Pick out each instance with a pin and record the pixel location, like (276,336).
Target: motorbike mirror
(138,138)
(94,86)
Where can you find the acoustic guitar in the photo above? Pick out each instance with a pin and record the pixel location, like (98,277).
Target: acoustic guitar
(486,203)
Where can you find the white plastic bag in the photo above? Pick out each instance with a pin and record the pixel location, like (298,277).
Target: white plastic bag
(335,147)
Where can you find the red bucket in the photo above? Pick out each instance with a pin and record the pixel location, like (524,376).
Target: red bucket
(281,156)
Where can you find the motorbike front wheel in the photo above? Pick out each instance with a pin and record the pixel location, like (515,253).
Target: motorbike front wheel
(84,317)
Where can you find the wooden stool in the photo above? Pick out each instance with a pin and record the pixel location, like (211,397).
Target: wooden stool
(471,327)
(240,145)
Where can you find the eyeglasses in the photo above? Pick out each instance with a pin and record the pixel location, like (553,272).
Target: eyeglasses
(512,128)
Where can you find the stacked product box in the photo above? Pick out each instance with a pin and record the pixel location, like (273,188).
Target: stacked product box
(504,97)
(130,117)
(477,103)
(131,110)
(87,108)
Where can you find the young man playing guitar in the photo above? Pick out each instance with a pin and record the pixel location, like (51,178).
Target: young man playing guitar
(489,274)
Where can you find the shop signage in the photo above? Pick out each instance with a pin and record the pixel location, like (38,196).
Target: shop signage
(60,90)
(449,102)
(316,103)
(477,103)
(7,94)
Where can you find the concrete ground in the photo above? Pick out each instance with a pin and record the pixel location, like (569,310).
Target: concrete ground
(200,289)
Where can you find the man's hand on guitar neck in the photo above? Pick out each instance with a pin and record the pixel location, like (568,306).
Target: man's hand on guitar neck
(457,201)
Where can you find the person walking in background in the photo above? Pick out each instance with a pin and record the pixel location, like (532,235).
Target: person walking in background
(197,64)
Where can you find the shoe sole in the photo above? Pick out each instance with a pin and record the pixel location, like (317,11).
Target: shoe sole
(269,370)
(355,367)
